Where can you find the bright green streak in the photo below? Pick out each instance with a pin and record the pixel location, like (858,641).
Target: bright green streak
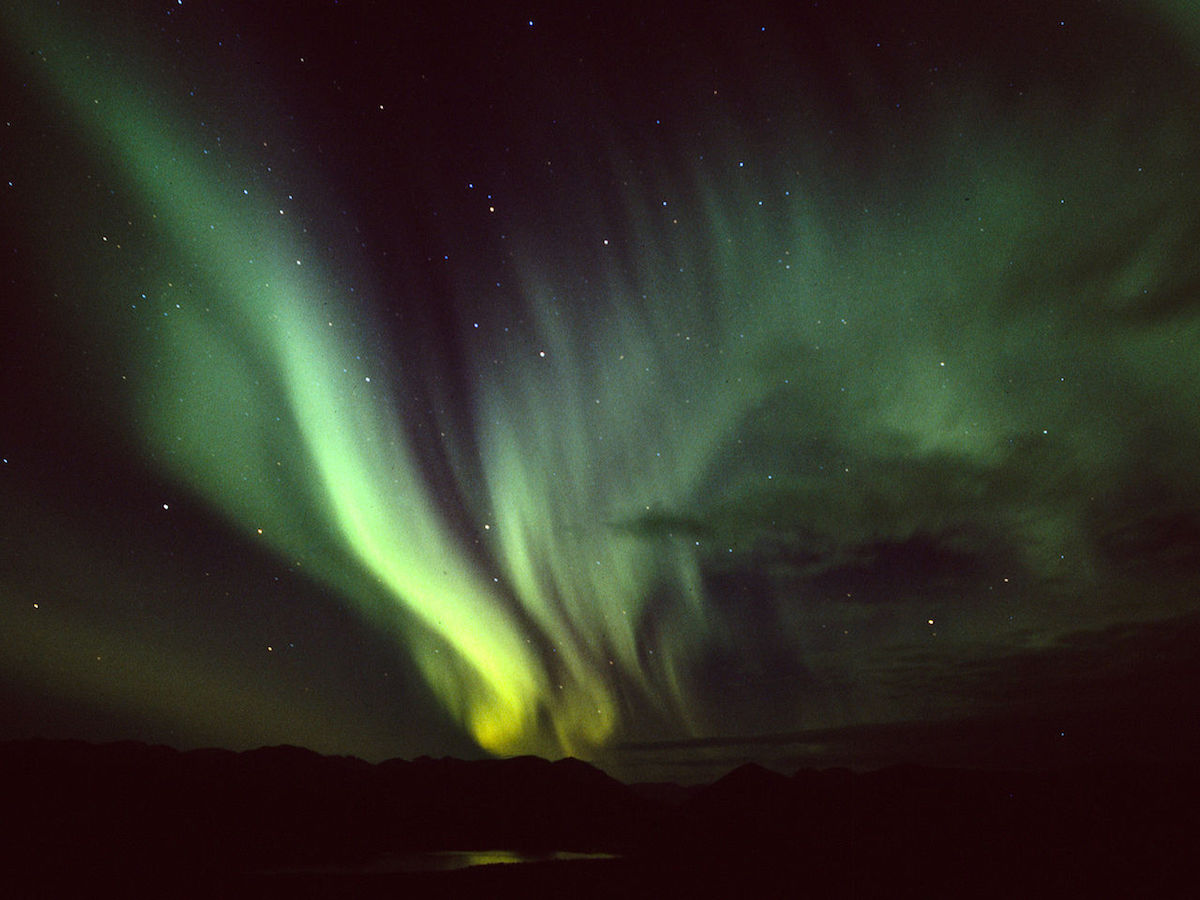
(613,468)
(246,349)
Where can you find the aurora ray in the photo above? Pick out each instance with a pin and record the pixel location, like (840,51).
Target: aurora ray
(749,388)
(250,375)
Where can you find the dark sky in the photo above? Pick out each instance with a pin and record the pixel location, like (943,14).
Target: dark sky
(664,388)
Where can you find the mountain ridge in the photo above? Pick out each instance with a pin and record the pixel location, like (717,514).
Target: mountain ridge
(110,812)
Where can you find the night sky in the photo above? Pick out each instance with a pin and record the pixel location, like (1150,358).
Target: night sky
(810,383)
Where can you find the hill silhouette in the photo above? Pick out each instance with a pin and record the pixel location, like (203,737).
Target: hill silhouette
(283,821)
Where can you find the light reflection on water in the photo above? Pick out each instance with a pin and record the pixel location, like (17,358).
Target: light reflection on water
(445,861)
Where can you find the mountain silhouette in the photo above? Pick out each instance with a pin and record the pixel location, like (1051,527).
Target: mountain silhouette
(284,821)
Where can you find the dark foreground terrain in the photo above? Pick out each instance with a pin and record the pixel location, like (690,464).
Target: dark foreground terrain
(283,822)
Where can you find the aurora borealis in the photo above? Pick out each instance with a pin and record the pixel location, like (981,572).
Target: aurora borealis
(636,386)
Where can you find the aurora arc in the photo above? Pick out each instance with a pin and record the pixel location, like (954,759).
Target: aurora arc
(257,319)
(557,581)
(252,378)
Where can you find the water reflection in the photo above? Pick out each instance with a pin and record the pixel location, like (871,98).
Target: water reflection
(445,861)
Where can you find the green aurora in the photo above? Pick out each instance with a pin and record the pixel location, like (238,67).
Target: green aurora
(758,398)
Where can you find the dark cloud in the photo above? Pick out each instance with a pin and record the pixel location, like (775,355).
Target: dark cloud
(921,563)
(1125,693)
(1161,544)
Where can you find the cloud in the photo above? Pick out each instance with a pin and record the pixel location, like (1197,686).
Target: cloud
(1127,693)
